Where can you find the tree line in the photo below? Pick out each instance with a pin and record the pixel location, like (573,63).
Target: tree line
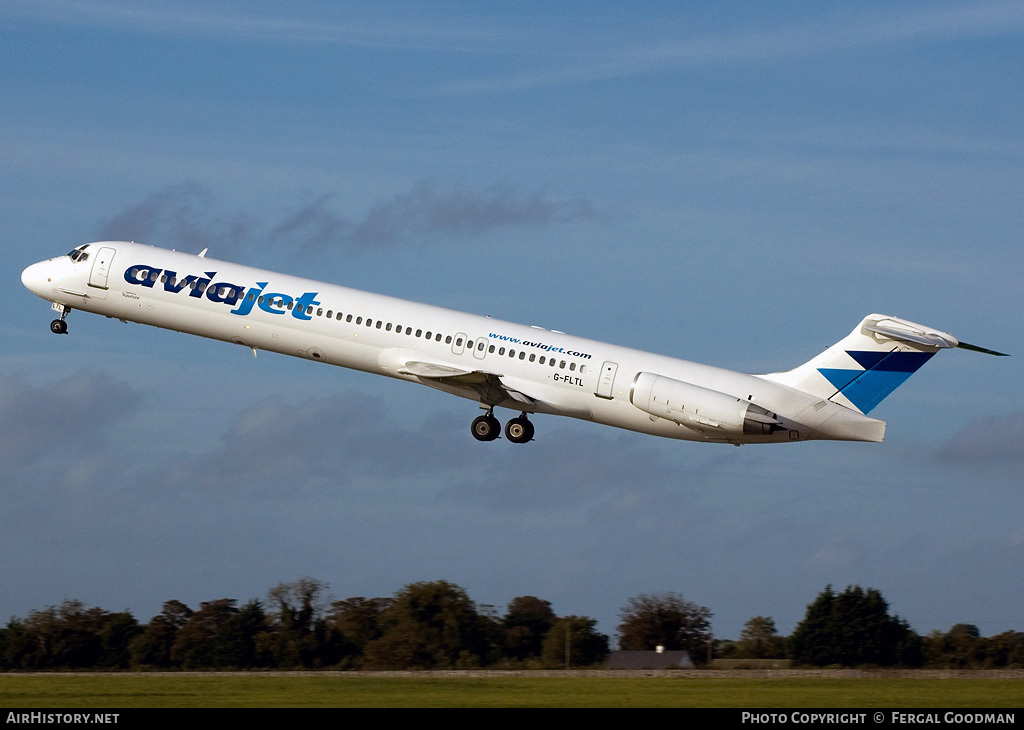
(430,625)
(423,626)
(854,628)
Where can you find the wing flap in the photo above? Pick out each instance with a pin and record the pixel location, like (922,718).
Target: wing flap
(432,370)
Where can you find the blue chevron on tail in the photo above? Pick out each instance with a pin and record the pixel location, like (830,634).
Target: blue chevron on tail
(879,374)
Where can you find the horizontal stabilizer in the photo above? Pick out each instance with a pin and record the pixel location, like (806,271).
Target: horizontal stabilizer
(975,348)
(903,331)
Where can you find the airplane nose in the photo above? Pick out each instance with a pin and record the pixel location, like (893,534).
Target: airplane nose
(35,278)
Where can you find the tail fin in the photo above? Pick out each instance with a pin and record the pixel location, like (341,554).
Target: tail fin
(864,367)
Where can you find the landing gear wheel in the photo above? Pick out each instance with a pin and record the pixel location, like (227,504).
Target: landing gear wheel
(486,428)
(59,327)
(519,430)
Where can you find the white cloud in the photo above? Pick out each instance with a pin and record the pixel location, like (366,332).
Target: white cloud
(187,216)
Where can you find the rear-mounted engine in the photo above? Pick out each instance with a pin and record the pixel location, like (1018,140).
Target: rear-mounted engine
(709,411)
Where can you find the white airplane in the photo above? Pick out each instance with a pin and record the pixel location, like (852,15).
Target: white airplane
(528,369)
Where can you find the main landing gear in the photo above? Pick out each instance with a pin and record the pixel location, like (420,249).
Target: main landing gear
(59,326)
(518,430)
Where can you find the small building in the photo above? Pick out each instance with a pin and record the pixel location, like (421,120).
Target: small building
(659,659)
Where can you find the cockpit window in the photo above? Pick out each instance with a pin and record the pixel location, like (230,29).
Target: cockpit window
(78,254)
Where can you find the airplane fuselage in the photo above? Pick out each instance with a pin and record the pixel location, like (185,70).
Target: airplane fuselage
(497,363)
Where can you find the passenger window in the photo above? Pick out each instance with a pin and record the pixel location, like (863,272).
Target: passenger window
(522,355)
(428,335)
(388,328)
(542,359)
(532,357)
(359,320)
(572,366)
(562,365)
(419,333)
(379,323)
(448,340)
(348,318)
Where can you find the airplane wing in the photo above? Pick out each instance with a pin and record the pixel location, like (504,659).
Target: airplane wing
(489,386)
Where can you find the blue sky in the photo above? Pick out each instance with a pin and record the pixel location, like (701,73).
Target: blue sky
(725,183)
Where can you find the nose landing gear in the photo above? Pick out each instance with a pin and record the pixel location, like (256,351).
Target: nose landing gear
(59,326)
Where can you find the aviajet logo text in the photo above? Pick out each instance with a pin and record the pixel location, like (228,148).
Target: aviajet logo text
(222,292)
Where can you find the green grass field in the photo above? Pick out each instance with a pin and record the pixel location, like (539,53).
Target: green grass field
(600,690)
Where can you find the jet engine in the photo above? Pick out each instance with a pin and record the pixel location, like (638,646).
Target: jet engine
(708,411)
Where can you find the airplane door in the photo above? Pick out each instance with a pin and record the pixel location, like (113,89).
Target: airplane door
(458,344)
(101,268)
(480,351)
(606,380)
